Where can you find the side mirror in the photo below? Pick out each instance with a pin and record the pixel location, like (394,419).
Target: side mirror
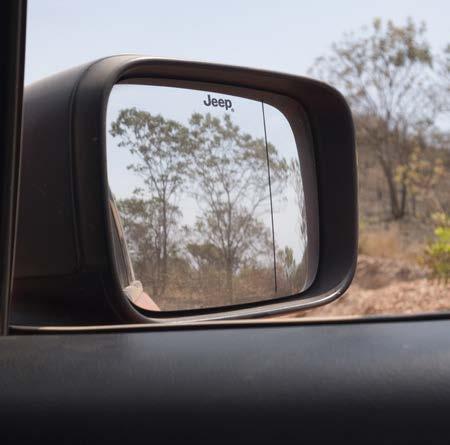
(168,190)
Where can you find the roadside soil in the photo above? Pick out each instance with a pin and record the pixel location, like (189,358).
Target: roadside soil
(387,286)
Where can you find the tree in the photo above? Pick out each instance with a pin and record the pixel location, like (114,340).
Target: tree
(147,239)
(205,255)
(295,274)
(437,252)
(232,239)
(445,72)
(295,176)
(423,176)
(386,74)
(159,147)
(230,176)
(292,274)
(213,161)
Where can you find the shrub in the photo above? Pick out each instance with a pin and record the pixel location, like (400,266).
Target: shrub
(380,242)
(437,252)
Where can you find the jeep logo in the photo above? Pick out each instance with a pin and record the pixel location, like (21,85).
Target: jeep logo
(223,103)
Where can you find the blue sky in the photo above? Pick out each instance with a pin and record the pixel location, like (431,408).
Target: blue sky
(279,35)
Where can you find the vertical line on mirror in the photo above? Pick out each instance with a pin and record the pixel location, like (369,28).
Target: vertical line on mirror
(271,203)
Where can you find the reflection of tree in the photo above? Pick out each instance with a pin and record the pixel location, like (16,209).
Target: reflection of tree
(232,239)
(295,175)
(149,234)
(231,184)
(292,274)
(159,147)
(225,170)
(205,256)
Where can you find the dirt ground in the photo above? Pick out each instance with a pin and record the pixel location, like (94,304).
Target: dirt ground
(387,286)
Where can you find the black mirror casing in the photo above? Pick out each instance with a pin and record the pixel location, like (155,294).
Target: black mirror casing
(66,271)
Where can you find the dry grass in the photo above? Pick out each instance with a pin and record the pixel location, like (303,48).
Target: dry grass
(380,243)
(388,286)
(390,242)
(401,298)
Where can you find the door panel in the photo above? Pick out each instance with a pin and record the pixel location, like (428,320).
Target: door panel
(352,383)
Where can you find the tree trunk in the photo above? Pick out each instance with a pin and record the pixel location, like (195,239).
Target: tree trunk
(397,209)
(229,262)
(164,249)
(413,206)
(404,194)
(229,281)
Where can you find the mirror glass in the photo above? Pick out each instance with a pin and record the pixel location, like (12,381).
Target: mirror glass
(209,190)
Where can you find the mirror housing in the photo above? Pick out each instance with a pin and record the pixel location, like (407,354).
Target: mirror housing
(66,259)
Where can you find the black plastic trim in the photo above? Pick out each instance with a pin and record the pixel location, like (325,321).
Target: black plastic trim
(365,383)
(82,97)
(12,50)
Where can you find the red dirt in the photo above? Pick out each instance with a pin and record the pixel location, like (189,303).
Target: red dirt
(386,286)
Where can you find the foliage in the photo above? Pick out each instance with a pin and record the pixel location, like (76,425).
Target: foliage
(387,75)
(231,185)
(437,252)
(161,148)
(422,175)
(149,239)
(295,176)
(225,170)
(291,274)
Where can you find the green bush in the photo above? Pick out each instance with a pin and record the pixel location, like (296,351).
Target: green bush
(437,252)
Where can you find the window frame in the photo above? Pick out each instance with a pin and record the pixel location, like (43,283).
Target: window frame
(12,48)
